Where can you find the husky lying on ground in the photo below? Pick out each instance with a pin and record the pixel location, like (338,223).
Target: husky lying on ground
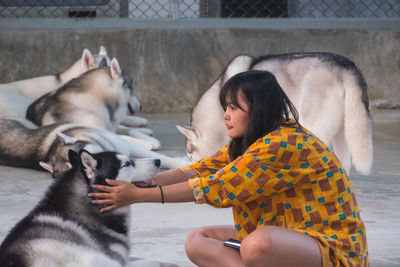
(65,229)
(328,90)
(47,147)
(100,98)
(15,97)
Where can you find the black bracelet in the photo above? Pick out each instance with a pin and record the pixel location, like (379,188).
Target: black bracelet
(162,194)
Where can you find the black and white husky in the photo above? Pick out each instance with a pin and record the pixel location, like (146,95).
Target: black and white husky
(101,98)
(65,229)
(328,90)
(47,147)
(15,97)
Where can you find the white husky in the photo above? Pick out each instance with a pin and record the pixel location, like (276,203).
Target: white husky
(328,90)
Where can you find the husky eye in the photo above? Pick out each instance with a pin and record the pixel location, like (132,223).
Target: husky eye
(127,84)
(127,164)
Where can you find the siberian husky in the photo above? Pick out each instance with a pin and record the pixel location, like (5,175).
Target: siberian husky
(15,97)
(65,229)
(100,98)
(47,147)
(328,90)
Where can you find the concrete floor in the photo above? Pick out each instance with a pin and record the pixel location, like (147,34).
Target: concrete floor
(158,231)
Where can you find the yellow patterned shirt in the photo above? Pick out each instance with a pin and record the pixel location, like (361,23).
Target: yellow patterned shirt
(288,178)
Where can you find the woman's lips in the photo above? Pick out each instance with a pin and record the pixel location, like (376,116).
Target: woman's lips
(228,127)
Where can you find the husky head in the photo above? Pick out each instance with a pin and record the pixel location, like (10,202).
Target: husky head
(121,79)
(97,167)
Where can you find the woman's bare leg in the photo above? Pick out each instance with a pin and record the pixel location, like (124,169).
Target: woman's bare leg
(204,247)
(277,246)
(266,246)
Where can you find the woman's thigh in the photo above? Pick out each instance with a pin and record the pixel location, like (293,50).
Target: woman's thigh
(219,232)
(277,246)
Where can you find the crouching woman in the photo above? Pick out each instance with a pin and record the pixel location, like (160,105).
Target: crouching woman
(292,202)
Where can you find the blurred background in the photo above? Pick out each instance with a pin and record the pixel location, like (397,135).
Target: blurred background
(175,49)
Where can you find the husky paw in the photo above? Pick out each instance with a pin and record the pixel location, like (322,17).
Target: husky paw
(155,146)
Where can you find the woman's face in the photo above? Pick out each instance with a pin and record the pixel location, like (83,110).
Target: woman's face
(236,119)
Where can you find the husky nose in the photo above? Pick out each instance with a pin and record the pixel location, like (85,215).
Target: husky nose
(157,162)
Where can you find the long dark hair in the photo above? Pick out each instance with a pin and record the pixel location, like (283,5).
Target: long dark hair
(269,107)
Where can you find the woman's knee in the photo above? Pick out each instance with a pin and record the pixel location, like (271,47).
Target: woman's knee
(193,240)
(256,247)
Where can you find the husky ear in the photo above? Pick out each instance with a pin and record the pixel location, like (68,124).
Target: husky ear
(187,131)
(88,162)
(47,166)
(67,140)
(88,61)
(103,51)
(115,68)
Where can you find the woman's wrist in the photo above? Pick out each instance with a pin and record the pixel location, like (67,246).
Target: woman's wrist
(148,194)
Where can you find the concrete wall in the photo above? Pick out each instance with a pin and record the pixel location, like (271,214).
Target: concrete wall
(172,63)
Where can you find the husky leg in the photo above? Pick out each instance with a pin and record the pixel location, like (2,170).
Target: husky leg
(144,130)
(124,129)
(150,141)
(138,142)
(139,151)
(134,121)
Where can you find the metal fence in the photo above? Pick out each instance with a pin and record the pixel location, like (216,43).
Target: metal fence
(154,9)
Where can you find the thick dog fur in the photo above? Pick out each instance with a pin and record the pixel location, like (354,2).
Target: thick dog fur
(100,98)
(328,90)
(15,97)
(65,229)
(47,147)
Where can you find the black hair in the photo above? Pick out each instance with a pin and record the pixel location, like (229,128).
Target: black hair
(269,106)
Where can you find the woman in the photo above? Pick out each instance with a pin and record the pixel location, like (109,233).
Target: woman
(292,202)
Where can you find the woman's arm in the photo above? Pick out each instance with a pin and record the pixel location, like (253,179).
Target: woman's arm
(120,194)
(169,177)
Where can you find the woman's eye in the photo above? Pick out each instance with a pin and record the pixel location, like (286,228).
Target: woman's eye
(232,107)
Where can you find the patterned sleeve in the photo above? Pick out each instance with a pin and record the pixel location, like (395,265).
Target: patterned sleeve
(207,166)
(265,169)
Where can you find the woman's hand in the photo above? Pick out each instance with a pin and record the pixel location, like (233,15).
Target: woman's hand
(118,195)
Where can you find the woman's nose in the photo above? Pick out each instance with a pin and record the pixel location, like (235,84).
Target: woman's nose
(225,116)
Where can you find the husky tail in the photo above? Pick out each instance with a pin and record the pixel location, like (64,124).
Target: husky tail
(358,120)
